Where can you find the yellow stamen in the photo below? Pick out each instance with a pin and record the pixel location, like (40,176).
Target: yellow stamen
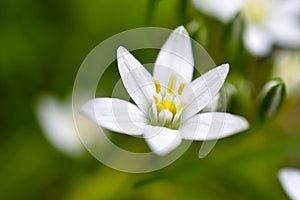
(181,87)
(167,105)
(157,85)
(157,98)
(171,85)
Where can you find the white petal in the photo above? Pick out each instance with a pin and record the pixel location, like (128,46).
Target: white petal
(257,40)
(290,8)
(175,57)
(223,10)
(285,30)
(290,181)
(212,105)
(116,115)
(212,125)
(202,90)
(161,140)
(57,122)
(137,80)
(153,114)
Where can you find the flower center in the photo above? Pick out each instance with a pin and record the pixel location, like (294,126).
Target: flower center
(255,11)
(164,104)
(166,109)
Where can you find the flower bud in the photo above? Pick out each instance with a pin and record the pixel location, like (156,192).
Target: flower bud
(271,99)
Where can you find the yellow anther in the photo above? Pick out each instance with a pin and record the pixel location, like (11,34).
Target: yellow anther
(157,85)
(181,87)
(171,85)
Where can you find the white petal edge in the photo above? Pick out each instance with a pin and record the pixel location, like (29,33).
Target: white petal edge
(175,57)
(136,79)
(161,140)
(257,40)
(290,181)
(116,115)
(285,30)
(225,11)
(56,119)
(202,90)
(212,126)
(212,106)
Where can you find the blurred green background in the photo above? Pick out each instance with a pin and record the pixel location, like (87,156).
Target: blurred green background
(43,44)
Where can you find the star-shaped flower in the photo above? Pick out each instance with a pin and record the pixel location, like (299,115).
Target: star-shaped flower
(167,103)
(290,181)
(267,22)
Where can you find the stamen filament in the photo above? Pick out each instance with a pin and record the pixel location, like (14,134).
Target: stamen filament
(157,98)
(166,107)
(171,85)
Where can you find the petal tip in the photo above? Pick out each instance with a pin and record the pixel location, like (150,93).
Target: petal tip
(121,51)
(290,181)
(246,124)
(181,30)
(224,69)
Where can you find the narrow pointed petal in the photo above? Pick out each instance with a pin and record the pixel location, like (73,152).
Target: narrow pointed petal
(56,119)
(136,79)
(257,40)
(201,91)
(212,126)
(161,140)
(290,181)
(116,115)
(175,58)
(225,11)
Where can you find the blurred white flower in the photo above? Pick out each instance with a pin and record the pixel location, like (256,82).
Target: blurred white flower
(56,120)
(268,22)
(290,181)
(224,10)
(168,104)
(287,67)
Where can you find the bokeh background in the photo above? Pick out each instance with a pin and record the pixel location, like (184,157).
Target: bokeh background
(43,44)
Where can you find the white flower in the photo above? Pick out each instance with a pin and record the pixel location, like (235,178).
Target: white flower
(268,22)
(56,119)
(167,104)
(290,181)
(224,10)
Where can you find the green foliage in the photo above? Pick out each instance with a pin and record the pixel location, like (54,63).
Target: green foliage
(43,44)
